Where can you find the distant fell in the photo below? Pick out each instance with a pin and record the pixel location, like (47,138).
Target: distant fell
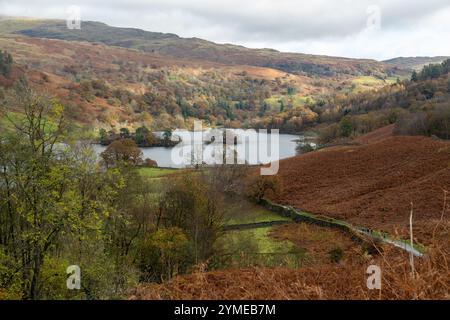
(415,63)
(173,46)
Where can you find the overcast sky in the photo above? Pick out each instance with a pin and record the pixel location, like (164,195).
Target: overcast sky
(378,29)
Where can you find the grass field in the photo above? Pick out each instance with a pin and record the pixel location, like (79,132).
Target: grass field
(12,25)
(257,241)
(156,172)
(257,248)
(295,100)
(244,212)
(369,83)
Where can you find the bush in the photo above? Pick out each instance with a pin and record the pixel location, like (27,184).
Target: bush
(259,187)
(10,278)
(6,62)
(329,134)
(336,255)
(433,123)
(304,148)
(439,122)
(412,124)
(150,163)
(372,248)
(163,254)
(346,127)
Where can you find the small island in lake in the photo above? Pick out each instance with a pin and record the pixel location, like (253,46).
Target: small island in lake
(143,137)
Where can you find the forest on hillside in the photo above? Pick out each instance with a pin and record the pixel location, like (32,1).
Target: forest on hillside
(111,87)
(419,106)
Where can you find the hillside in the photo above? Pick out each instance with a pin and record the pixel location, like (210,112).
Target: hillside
(113,86)
(417,107)
(193,48)
(341,282)
(120,77)
(107,194)
(372,184)
(414,63)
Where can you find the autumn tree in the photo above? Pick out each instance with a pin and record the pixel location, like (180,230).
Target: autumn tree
(40,201)
(258,187)
(194,205)
(59,207)
(124,133)
(346,127)
(163,254)
(141,135)
(123,150)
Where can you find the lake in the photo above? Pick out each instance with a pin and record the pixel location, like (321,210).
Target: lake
(253,151)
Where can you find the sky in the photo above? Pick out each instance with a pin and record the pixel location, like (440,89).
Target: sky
(375,29)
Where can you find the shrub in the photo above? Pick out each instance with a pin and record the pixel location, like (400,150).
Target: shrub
(124,133)
(150,163)
(10,278)
(372,248)
(346,127)
(329,133)
(305,148)
(439,122)
(261,185)
(435,122)
(162,254)
(6,62)
(336,255)
(412,124)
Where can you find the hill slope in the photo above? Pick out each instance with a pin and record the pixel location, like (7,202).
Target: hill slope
(194,48)
(415,63)
(372,184)
(113,77)
(114,86)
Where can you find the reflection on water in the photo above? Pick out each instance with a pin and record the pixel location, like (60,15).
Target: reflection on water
(182,155)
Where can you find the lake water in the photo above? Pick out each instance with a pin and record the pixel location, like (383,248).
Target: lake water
(256,149)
